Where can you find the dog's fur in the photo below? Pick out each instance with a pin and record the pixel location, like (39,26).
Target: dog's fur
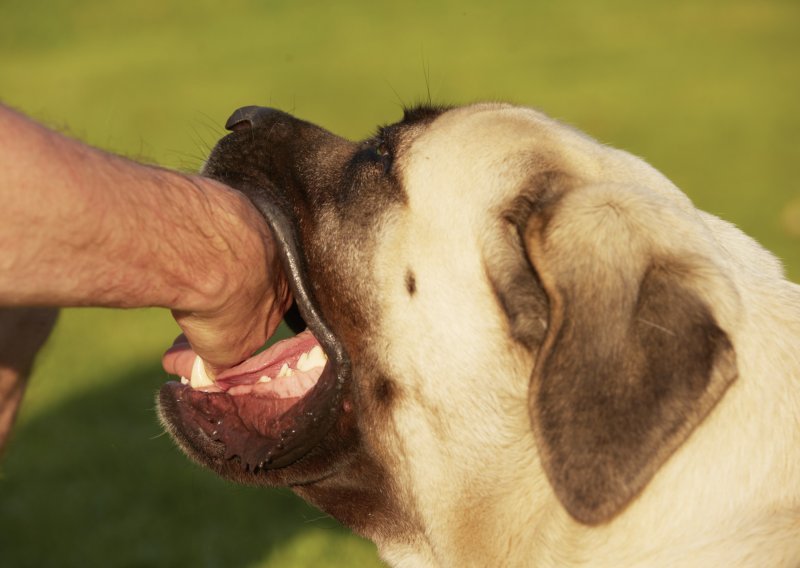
(557,359)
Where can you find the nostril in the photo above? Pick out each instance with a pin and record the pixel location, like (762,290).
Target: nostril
(239,125)
(250,117)
(242,118)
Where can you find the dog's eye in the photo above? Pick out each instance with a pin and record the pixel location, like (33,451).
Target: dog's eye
(383,153)
(382,150)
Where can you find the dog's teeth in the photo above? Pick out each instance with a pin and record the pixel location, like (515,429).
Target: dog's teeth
(264,379)
(200,378)
(311,360)
(184,381)
(302,362)
(285,371)
(318,355)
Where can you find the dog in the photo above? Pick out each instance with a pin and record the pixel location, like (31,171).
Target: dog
(536,350)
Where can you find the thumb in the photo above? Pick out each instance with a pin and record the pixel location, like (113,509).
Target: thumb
(219,346)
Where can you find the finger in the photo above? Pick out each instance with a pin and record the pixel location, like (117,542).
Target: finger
(178,359)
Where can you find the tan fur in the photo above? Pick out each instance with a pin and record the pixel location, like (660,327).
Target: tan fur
(460,439)
(553,358)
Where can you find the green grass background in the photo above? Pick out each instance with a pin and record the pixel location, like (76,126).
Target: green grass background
(707,91)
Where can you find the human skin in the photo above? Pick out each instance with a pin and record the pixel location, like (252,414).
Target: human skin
(82,227)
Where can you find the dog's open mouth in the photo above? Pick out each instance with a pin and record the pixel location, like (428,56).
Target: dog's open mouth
(265,413)
(274,408)
(288,369)
(271,410)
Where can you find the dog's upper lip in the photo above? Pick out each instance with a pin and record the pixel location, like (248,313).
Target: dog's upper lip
(286,238)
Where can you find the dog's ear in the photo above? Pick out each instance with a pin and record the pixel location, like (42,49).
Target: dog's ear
(634,355)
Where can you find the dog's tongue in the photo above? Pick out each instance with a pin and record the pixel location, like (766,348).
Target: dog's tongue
(275,356)
(179,359)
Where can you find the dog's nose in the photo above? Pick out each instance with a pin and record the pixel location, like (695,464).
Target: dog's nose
(251,117)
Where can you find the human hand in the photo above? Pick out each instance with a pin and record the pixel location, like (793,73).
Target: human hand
(245,310)
(107,231)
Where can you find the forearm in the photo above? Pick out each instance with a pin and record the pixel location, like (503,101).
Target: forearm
(81,227)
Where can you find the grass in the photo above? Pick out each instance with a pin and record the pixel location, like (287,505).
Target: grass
(705,90)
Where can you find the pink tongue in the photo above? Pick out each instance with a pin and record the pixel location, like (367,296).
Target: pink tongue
(285,351)
(179,359)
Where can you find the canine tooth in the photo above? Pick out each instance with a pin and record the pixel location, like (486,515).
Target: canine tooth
(311,360)
(184,381)
(264,379)
(285,371)
(317,354)
(200,376)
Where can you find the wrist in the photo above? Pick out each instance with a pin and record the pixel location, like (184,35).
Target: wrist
(81,227)
(230,243)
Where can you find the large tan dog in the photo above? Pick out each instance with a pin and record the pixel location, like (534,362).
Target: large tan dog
(539,352)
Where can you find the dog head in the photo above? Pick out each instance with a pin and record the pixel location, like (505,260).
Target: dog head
(514,316)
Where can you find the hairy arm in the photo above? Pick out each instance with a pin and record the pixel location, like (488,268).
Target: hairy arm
(81,227)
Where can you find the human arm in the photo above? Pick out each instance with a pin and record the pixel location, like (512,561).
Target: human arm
(81,227)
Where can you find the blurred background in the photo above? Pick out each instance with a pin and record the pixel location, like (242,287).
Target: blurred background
(707,91)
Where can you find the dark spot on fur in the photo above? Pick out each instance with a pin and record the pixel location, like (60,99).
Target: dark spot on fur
(385,390)
(411,282)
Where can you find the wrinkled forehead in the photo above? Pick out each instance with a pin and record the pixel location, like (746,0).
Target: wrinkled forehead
(480,150)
